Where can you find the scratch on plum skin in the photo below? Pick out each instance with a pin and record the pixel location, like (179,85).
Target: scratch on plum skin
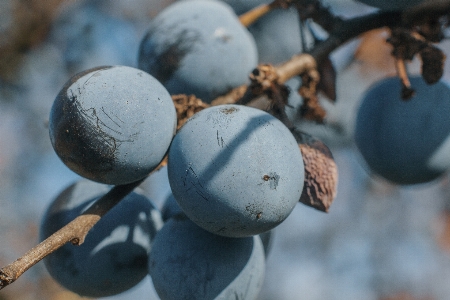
(195,184)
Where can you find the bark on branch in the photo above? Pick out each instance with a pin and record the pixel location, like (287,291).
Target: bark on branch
(74,232)
(77,230)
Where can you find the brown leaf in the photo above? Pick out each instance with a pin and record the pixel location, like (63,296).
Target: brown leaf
(321,176)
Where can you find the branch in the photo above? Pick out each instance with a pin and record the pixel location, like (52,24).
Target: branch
(77,230)
(346,30)
(74,232)
(420,13)
(256,13)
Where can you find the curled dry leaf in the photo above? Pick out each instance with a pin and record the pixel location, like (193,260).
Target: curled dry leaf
(433,60)
(186,106)
(321,176)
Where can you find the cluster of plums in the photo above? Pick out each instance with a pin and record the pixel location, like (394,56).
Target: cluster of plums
(235,172)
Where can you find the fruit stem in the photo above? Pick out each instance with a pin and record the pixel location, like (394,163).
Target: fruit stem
(407,91)
(250,17)
(74,232)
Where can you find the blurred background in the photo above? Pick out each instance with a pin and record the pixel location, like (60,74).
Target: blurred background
(378,242)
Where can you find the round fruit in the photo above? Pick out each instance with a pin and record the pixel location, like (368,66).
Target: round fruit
(170,208)
(277,36)
(114,256)
(187,262)
(405,141)
(235,170)
(198,47)
(391,4)
(112,124)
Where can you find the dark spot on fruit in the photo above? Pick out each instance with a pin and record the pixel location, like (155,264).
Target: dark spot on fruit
(84,142)
(163,63)
(229,110)
(259,215)
(273,178)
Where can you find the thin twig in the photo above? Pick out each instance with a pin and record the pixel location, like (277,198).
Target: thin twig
(74,232)
(253,15)
(256,13)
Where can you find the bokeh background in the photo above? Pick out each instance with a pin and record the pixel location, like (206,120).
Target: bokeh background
(378,242)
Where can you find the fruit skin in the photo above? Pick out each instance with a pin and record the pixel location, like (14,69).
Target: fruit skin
(171,209)
(112,124)
(114,255)
(277,36)
(198,47)
(187,262)
(391,4)
(235,170)
(398,139)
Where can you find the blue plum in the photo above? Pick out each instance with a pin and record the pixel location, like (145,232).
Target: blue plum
(187,262)
(278,36)
(198,47)
(114,255)
(235,170)
(406,142)
(170,208)
(112,124)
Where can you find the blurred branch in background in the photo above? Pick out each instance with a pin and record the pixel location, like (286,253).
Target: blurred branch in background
(29,24)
